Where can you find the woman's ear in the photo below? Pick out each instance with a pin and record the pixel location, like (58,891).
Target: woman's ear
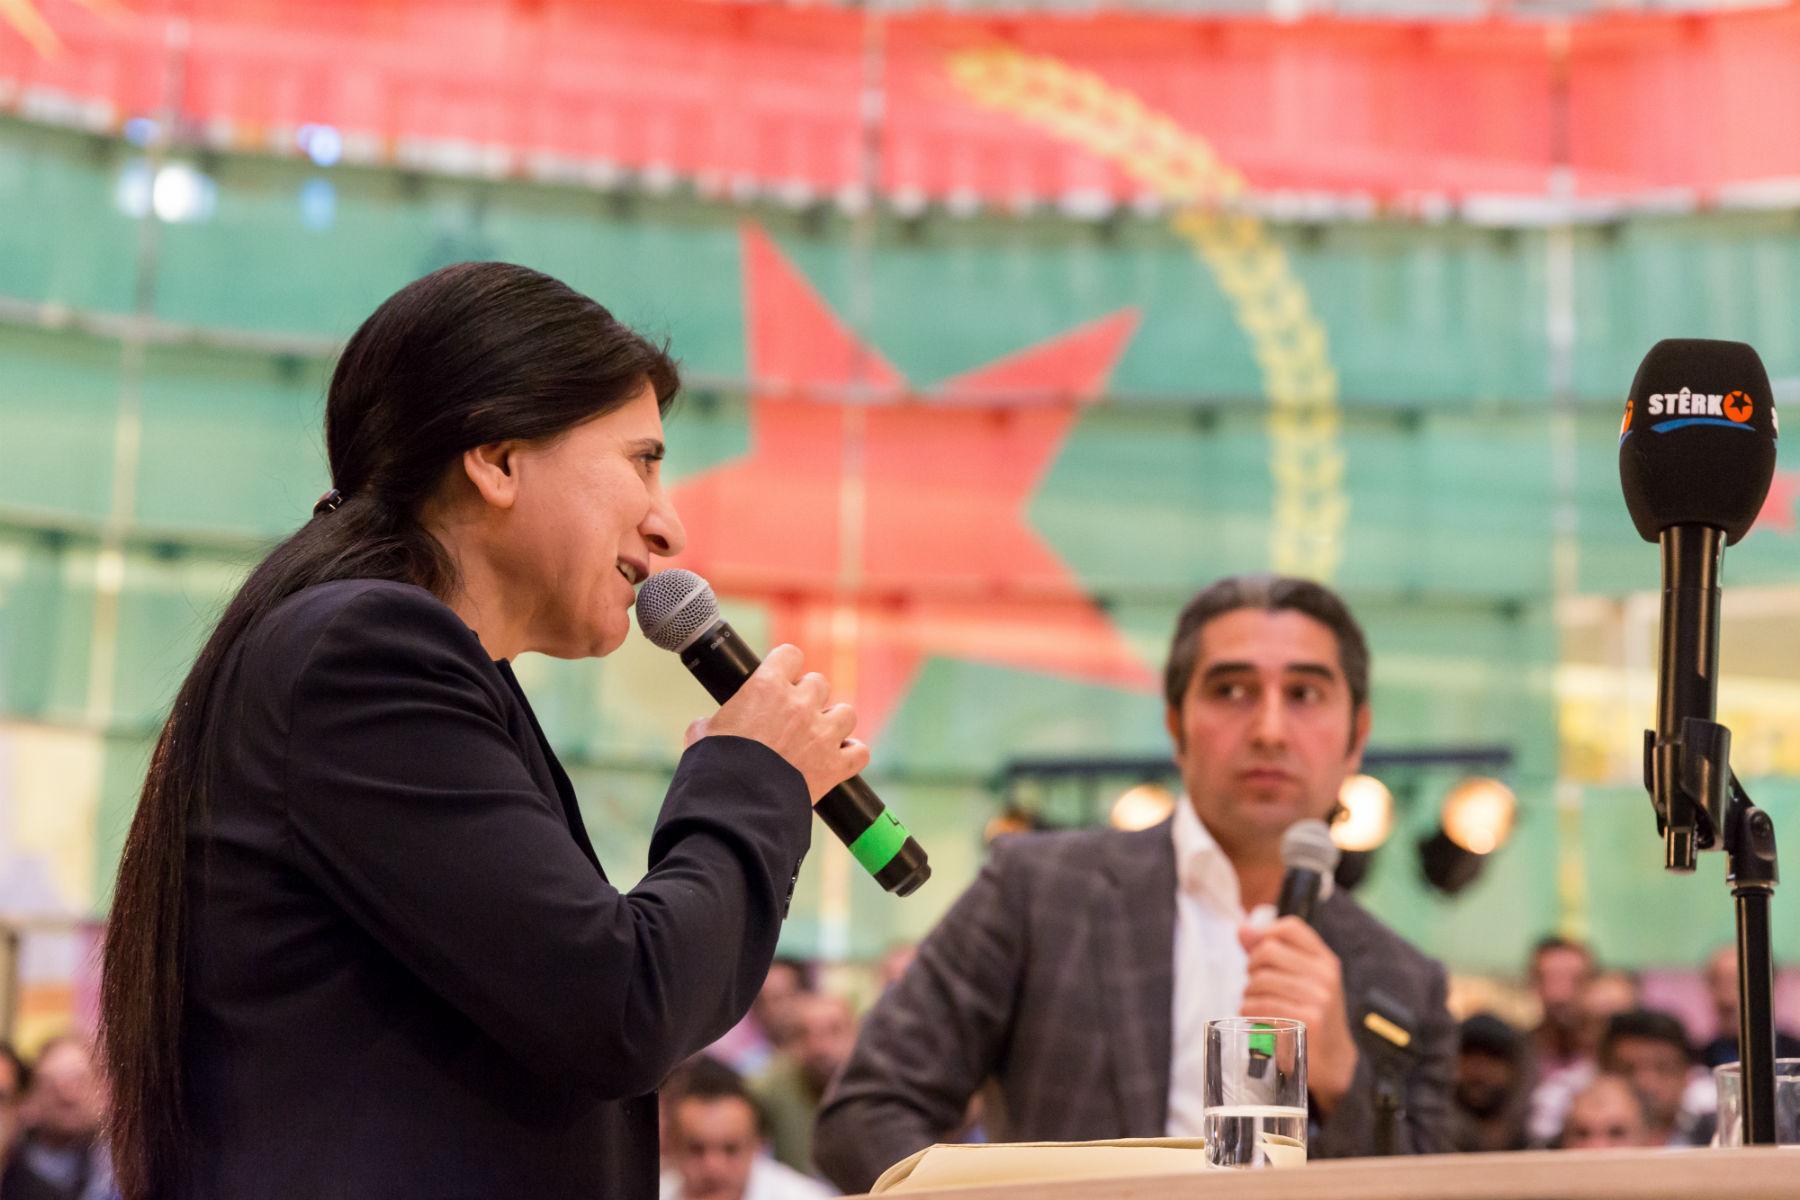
(491,469)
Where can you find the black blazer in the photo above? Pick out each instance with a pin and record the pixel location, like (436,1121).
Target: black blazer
(407,974)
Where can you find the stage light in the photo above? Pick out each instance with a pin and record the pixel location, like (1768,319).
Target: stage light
(1368,814)
(1478,817)
(1479,814)
(1142,806)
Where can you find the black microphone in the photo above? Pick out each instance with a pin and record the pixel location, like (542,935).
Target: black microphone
(678,611)
(1310,856)
(1696,455)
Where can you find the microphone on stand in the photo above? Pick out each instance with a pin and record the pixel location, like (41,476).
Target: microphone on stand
(678,611)
(1696,456)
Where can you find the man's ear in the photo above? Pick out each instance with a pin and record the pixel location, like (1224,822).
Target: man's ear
(491,469)
(1359,735)
(1172,722)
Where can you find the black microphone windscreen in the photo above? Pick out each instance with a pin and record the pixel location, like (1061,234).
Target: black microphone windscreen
(1697,446)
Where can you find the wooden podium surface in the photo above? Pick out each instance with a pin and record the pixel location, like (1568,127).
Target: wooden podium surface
(1762,1173)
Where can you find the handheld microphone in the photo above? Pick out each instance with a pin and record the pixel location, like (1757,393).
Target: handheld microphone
(1696,455)
(678,611)
(1310,857)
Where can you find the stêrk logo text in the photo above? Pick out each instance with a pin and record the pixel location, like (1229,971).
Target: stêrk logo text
(1685,403)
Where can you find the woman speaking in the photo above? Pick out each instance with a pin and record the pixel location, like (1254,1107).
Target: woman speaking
(360,944)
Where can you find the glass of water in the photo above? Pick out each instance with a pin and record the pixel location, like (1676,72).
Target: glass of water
(1729,1079)
(1255,1092)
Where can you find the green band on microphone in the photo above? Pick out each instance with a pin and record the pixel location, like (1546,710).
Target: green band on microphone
(876,846)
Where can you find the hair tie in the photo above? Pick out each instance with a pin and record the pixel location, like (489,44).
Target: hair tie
(328,502)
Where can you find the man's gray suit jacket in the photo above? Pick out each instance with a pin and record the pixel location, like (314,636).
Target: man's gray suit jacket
(1053,975)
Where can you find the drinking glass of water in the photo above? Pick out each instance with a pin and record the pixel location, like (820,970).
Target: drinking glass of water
(1729,1079)
(1255,1092)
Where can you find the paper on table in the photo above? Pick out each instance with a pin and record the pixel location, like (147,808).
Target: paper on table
(1025,1162)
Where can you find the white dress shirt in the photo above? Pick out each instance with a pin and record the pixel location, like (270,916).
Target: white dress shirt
(1211,968)
(769,1180)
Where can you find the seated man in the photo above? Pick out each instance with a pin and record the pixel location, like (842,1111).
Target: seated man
(60,1153)
(1079,968)
(1607,1114)
(1602,996)
(1491,1093)
(790,1090)
(713,1147)
(1560,969)
(1722,987)
(1651,1050)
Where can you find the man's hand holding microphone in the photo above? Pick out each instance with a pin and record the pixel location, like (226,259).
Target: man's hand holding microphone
(1294,974)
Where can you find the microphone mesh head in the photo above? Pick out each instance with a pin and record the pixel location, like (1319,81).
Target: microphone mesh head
(674,607)
(1307,845)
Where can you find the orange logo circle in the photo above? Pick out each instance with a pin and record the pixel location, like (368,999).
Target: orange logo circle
(1738,407)
(1626,427)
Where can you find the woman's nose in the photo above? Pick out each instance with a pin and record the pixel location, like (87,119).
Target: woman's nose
(662,528)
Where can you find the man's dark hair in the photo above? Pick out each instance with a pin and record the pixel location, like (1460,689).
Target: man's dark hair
(1645,1024)
(1268,593)
(704,1077)
(1485,1033)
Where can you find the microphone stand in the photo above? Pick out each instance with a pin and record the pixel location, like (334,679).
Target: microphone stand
(1701,806)
(1752,872)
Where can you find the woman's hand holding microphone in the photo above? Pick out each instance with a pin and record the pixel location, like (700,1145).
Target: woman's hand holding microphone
(788,709)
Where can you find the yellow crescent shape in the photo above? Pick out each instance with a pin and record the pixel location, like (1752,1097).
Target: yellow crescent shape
(1292,351)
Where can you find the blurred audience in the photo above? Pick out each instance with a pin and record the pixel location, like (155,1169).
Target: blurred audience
(1560,969)
(714,1141)
(823,1033)
(1604,997)
(1607,1114)
(1598,1070)
(1600,996)
(1651,1050)
(14,1077)
(1492,1087)
(750,1045)
(58,1153)
(1722,986)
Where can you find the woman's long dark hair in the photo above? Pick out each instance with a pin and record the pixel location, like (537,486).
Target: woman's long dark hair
(473,354)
